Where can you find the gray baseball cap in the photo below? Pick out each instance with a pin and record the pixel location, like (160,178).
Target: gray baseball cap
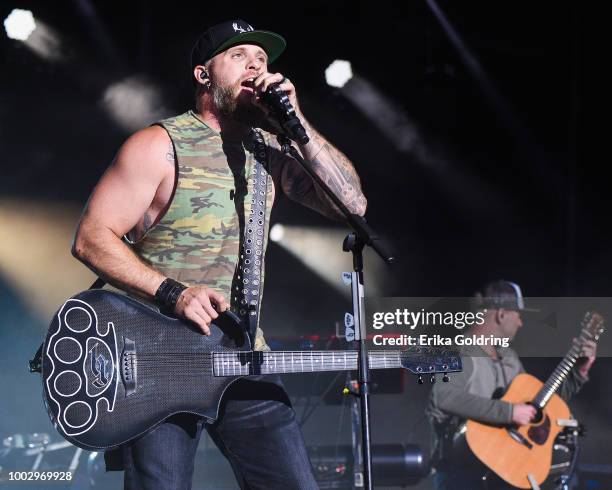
(502,294)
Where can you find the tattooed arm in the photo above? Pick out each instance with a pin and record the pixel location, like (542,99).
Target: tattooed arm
(333,167)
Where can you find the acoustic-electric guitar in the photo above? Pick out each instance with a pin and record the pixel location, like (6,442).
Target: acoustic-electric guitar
(522,455)
(113,368)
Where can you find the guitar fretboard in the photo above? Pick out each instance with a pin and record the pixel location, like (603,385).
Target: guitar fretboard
(258,362)
(561,372)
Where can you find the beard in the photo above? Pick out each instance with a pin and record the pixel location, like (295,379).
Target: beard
(236,107)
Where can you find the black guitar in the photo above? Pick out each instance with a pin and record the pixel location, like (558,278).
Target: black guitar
(113,368)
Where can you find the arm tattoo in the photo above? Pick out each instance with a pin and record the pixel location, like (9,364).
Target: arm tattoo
(146,222)
(170,153)
(142,227)
(335,169)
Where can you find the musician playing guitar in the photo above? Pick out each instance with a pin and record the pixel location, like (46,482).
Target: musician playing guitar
(472,394)
(193,193)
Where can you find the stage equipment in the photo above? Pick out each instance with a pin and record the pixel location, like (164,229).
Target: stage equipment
(355,242)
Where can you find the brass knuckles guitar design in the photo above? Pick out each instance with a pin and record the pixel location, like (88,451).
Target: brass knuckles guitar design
(83,368)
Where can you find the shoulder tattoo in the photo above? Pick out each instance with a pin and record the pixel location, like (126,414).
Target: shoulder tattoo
(170,153)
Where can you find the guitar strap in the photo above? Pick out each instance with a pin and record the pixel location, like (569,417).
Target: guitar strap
(248,289)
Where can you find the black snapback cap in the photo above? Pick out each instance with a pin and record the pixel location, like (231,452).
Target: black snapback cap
(226,34)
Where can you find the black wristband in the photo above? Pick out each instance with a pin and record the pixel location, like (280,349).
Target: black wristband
(168,293)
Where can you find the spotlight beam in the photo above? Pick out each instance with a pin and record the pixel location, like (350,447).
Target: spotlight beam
(98,30)
(134,102)
(476,70)
(408,139)
(543,168)
(320,249)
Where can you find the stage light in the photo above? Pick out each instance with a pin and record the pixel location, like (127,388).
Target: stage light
(35,34)
(338,73)
(19,24)
(134,103)
(277,232)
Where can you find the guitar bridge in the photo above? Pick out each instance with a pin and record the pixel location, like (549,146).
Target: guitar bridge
(128,366)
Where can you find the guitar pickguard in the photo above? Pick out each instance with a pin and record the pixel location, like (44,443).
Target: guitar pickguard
(539,433)
(82,368)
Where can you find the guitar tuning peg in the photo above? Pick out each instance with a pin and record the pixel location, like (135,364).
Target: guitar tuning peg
(420,379)
(432,380)
(445,378)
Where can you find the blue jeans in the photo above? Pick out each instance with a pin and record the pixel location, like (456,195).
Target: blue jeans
(256,431)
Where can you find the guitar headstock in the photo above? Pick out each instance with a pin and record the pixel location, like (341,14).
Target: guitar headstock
(430,360)
(592,326)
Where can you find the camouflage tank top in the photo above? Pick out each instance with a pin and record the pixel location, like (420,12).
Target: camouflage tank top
(197,241)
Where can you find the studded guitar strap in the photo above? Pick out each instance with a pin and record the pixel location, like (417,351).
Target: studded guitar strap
(251,255)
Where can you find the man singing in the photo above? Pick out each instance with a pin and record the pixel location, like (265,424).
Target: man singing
(192,195)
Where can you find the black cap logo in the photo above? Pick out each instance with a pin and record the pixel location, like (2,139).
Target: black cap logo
(242,28)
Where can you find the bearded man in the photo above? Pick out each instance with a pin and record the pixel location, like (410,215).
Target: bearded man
(191,197)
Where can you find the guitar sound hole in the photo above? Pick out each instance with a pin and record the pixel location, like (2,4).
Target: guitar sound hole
(539,433)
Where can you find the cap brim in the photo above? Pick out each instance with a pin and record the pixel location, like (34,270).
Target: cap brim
(510,306)
(272,43)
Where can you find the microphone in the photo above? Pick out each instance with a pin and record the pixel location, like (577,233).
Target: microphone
(283,112)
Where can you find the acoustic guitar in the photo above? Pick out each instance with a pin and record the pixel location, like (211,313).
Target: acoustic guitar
(522,455)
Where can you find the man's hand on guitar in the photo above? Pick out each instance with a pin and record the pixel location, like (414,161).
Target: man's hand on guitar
(588,353)
(201,305)
(522,413)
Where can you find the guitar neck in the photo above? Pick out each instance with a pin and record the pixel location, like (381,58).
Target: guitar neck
(558,376)
(279,362)
(592,328)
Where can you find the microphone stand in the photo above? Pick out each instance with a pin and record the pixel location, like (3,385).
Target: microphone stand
(354,242)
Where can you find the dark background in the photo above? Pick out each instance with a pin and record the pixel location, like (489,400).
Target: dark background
(521,193)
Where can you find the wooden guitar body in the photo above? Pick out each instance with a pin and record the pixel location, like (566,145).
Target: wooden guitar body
(529,451)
